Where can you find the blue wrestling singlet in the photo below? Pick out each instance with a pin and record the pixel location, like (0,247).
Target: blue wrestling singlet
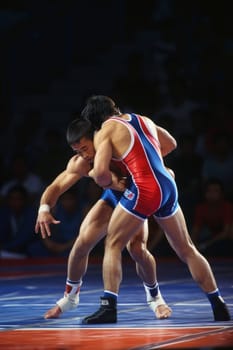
(112,197)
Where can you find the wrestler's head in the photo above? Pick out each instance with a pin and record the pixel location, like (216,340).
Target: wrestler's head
(98,109)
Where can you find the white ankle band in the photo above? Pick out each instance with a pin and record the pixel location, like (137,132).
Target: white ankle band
(68,302)
(155,302)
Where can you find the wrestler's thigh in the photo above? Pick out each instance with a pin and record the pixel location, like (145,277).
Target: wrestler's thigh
(94,225)
(141,235)
(123,226)
(176,231)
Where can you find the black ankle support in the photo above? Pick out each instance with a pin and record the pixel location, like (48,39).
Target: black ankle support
(221,312)
(107,313)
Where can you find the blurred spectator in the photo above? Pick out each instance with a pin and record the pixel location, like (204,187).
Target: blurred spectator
(54,154)
(29,141)
(219,163)
(2,173)
(136,93)
(220,120)
(69,212)
(5,121)
(20,174)
(212,229)
(17,217)
(200,121)
(178,105)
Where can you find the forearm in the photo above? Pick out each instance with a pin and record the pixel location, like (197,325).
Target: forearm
(50,196)
(103,179)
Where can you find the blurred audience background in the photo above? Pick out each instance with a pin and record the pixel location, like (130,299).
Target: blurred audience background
(170,60)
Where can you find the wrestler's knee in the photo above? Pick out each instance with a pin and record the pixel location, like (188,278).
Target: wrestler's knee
(187,252)
(113,242)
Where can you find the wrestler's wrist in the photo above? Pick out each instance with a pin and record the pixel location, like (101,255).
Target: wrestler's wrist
(44,208)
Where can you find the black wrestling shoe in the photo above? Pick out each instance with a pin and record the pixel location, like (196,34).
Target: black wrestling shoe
(107,313)
(221,312)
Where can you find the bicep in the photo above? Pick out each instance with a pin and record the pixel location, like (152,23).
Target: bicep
(66,180)
(76,169)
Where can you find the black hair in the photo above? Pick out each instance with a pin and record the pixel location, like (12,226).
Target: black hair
(98,108)
(79,128)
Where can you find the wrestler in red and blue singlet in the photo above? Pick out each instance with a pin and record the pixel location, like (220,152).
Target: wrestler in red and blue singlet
(151,189)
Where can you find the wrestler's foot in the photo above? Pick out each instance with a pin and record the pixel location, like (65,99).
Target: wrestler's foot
(163,311)
(68,302)
(55,312)
(159,307)
(107,313)
(221,312)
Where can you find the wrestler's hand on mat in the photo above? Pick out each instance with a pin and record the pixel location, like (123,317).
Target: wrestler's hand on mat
(44,219)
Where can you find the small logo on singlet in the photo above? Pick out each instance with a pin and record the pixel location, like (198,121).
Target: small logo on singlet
(129,195)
